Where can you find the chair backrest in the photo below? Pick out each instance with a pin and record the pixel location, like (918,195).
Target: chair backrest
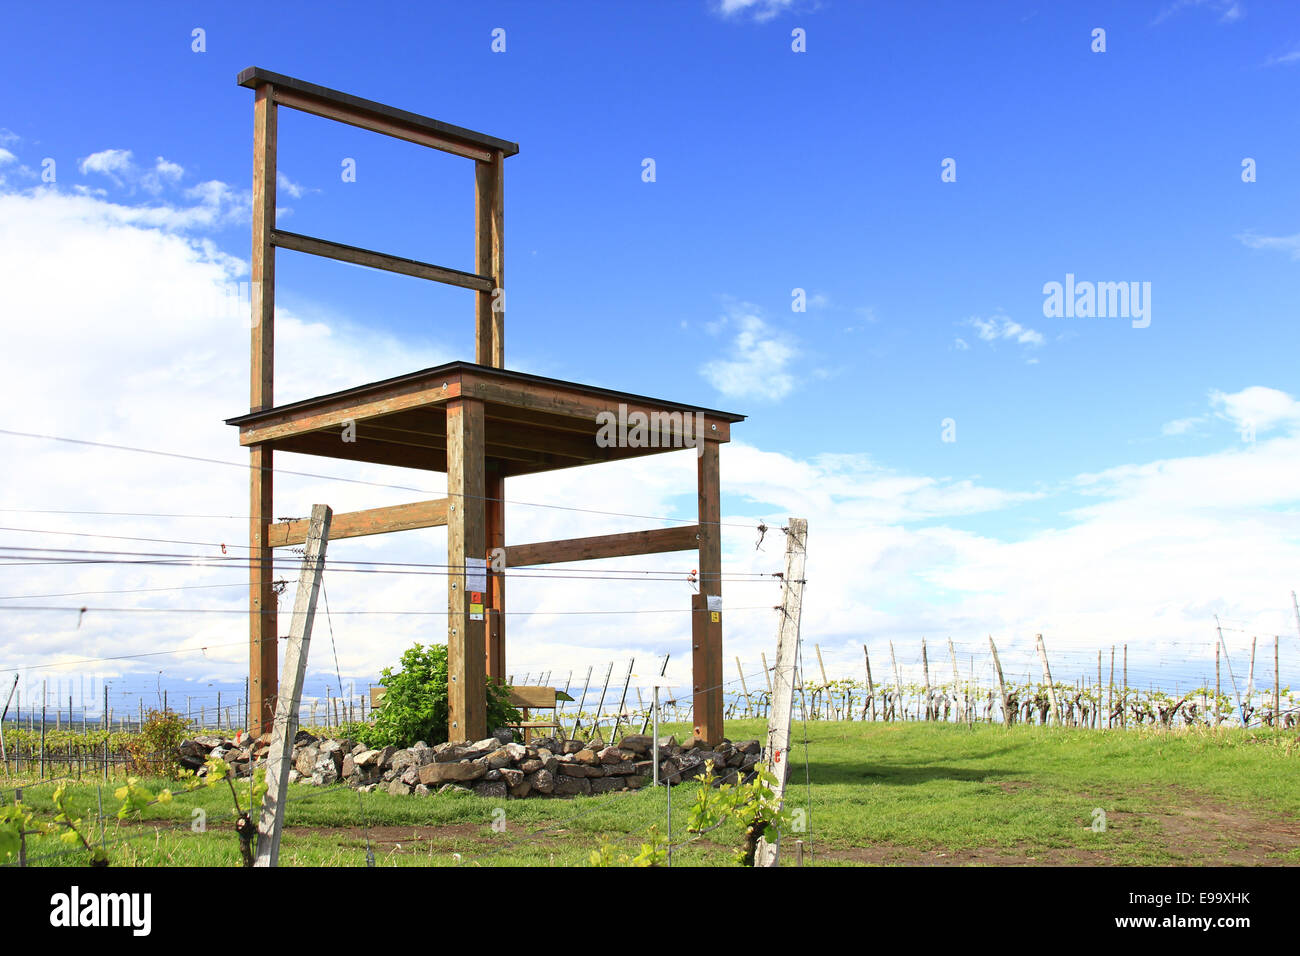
(532,697)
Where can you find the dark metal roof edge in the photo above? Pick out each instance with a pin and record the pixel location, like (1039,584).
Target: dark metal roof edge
(436,370)
(254,76)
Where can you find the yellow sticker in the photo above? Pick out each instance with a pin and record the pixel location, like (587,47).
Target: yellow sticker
(715,617)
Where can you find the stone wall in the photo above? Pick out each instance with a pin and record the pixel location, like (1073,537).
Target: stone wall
(496,767)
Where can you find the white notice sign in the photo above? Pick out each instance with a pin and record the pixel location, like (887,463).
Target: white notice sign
(476,574)
(715,602)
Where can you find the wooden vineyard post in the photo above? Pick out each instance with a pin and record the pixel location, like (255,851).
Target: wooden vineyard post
(826,693)
(776,751)
(1217,687)
(957,696)
(1123,694)
(1277,685)
(898,683)
(4,757)
(1047,675)
(871,687)
(1250,680)
(1008,718)
(284,728)
(925,669)
(744,688)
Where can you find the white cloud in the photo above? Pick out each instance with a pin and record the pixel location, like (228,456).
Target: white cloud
(7,157)
(285,184)
(116,164)
(1263,409)
(8,137)
(164,173)
(1289,244)
(1229,11)
(999,327)
(760,358)
(1181,426)
(762,10)
(1292,56)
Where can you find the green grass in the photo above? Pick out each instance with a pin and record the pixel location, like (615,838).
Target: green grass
(891,793)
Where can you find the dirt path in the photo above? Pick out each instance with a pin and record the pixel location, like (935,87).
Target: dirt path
(1196,831)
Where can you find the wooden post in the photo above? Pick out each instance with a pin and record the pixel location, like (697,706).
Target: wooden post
(826,693)
(622,702)
(871,687)
(767,672)
(956,684)
(1008,718)
(279,759)
(263,653)
(1047,675)
(776,750)
(1096,710)
(489,260)
(1277,684)
(898,683)
(1123,695)
(581,703)
(1250,681)
(706,622)
(4,756)
(925,669)
(466,539)
(603,691)
(1217,686)
(494,518)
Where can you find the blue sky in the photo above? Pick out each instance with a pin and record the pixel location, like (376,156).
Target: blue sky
(775,170)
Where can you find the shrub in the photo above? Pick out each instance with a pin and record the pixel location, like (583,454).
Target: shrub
(415,702)
(153,751)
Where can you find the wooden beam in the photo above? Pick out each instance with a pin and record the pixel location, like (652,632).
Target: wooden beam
(706,625)
(466,538)
(357,524)
(262,277)
(263,654)
(380,260)
(489,260)
(279,760)
(655,541)
(494,508)
(376,123)
(345,410)
(570,403)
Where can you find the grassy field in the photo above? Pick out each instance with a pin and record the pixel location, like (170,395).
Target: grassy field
(910,793)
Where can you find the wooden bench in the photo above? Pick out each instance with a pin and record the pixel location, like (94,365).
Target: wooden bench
(534,698)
